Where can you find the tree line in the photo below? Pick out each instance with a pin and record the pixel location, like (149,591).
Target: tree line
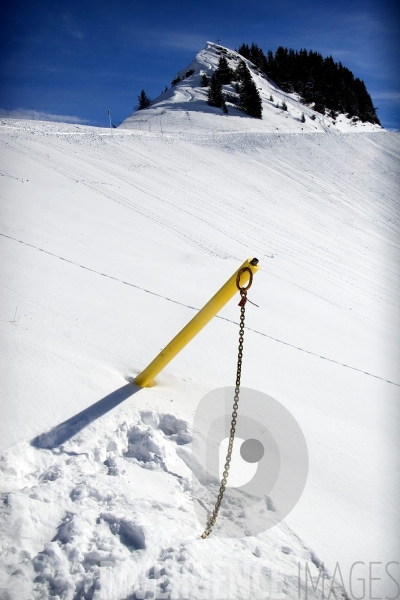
(329,85)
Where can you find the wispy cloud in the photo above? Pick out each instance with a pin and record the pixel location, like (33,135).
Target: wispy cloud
(363,22)
(75,33)
(71,28)
(387,99)
(27,114)
(174,40)
(388,96)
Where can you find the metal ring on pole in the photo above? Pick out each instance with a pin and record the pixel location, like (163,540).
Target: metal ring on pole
(244,288)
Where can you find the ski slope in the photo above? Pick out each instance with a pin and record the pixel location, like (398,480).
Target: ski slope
(110,241)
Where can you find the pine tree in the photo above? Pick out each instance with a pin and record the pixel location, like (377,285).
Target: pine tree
(244,50)
(224,72)
(302,118)
(284,105)
(366,109)
(204,80)
(215,96)
(241,71)
(250,99)
(258,57)
(144,100)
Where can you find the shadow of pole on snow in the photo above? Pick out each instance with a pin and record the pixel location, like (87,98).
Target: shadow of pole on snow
(66,430)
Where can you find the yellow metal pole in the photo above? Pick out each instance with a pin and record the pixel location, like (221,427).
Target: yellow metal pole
(213,306)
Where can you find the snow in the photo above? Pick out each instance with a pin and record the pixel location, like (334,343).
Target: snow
(184,106)
(110,241)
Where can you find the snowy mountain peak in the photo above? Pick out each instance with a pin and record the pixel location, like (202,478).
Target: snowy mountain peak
(184,106)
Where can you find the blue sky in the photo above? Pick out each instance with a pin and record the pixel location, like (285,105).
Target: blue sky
(79,59)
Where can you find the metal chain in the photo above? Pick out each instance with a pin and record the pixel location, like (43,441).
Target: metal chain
(243,293)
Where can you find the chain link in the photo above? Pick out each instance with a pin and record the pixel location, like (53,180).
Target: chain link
(243,293)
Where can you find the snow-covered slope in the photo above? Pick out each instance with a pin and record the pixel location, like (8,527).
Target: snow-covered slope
(184,106)
(110,240)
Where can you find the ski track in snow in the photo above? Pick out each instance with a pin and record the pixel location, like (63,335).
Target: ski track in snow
(81,172)
(197,309)
(313,256)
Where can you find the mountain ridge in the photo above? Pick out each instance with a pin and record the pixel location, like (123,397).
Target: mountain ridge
(184,106)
